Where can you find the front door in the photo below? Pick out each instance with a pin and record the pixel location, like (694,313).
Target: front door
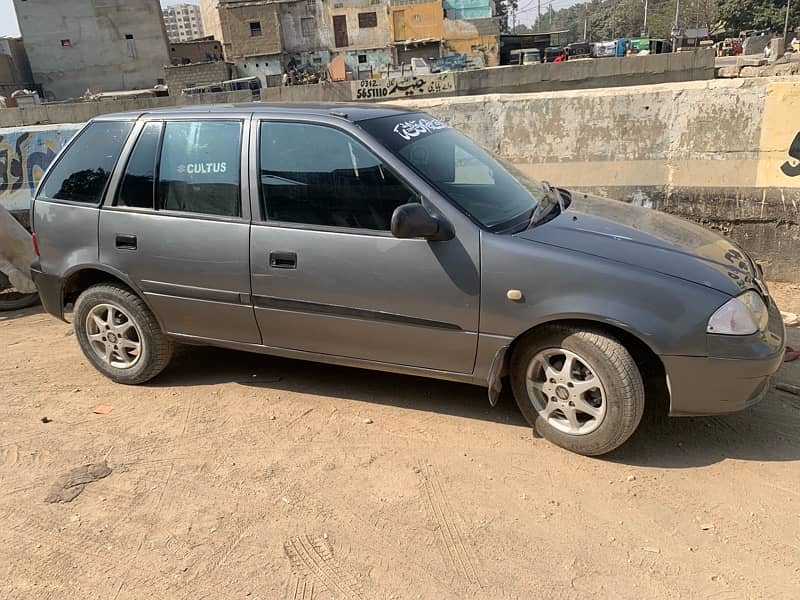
(327,275)
(178,228)
(340,31)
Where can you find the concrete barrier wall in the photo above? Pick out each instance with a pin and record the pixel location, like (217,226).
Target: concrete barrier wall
(576,74)
(46,114)
(724,153)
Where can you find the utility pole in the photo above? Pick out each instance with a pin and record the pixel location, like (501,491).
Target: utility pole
(539,20)
(585,20)
(676,26)
(786,23)
(551,16)
(644,27)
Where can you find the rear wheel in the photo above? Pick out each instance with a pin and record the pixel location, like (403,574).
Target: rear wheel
(119,335)
(580,388)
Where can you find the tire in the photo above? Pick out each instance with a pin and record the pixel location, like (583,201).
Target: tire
(12,300)
(132,323)
(614,393)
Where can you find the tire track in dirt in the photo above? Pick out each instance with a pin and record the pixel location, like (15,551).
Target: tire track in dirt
(461,556)
(312,557)
(299,588)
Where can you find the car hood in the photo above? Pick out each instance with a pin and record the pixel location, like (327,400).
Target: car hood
(647,239)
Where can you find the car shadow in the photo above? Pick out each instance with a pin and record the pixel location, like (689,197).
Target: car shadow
(10,315)
(769,431)
(197,366)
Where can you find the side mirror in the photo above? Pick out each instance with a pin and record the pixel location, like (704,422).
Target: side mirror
(414,221)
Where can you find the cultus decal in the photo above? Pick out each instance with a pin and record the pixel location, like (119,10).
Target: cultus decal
(203,168)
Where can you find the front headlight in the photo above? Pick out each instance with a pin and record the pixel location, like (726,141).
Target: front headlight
(743,315)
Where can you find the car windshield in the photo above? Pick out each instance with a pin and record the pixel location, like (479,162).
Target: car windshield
(491,191)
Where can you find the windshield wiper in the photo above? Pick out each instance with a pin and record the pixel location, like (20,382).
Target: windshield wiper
(551,200)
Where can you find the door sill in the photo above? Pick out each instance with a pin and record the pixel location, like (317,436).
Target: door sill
(330,359)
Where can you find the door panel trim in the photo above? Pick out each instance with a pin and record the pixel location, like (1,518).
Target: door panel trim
(189,291)
(349,312)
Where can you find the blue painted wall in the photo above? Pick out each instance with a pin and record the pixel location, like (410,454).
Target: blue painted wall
(468,9)
(25,154)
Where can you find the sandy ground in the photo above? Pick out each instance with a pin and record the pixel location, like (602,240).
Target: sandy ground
(242,476)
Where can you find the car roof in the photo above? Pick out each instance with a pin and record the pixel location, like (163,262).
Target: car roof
(350,111)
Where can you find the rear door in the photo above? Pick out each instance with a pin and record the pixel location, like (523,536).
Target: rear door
(328,276)
(178,225)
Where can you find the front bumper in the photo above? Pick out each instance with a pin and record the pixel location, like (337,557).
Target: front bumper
(50,290)
(735,375)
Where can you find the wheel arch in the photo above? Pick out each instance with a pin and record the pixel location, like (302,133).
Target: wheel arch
(80,278)
(650,365)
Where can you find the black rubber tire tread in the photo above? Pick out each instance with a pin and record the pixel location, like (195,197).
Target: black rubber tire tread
(157,347)
(19,303)
(616,369)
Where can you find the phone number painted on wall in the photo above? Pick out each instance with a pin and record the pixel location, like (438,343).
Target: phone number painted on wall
(402,87)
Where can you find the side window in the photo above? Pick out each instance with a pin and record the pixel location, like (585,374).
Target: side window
(199,168)
(317,175)
(138,182)
(83,172)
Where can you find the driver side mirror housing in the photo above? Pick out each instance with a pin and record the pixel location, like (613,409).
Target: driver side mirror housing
(411,221)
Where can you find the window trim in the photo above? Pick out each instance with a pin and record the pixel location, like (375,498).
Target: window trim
(123,153)
(124,168)
(261,219)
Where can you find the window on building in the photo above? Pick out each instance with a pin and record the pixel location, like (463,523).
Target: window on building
(255,28)
(66,43)
(83,172)
(367,20)
(307,26)
(138,182)
(199,170)
(128,36)
(362,58)
(318,175)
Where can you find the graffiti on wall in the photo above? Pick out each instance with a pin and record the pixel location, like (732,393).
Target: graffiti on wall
(402,87)
(789,169)
(25,154)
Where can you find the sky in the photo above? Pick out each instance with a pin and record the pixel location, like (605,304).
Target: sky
(527,11)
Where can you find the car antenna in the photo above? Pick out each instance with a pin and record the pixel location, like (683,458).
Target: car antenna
(340,114)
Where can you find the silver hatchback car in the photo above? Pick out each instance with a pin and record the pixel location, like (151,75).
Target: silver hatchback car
(380,238)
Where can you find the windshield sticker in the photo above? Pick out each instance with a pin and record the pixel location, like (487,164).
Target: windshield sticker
(411,129)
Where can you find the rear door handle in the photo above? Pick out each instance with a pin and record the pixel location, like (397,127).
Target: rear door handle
(126,242)
(283,260)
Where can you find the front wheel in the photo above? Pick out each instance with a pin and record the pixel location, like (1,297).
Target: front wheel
(119,335)
(579,388)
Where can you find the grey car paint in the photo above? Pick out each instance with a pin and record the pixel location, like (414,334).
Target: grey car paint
(653,276)
(365,294)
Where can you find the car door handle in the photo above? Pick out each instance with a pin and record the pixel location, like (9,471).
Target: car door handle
(125,242)
(283,260)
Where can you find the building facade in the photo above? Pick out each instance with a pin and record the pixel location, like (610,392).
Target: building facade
(96,45)
(197,51)
(266,37)
(183,22)
(15,69)
(209,13)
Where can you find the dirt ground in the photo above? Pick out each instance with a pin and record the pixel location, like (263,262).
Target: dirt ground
(244,476)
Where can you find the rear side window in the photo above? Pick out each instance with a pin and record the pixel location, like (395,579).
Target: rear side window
(138,183)
(83,172)
(199,168)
